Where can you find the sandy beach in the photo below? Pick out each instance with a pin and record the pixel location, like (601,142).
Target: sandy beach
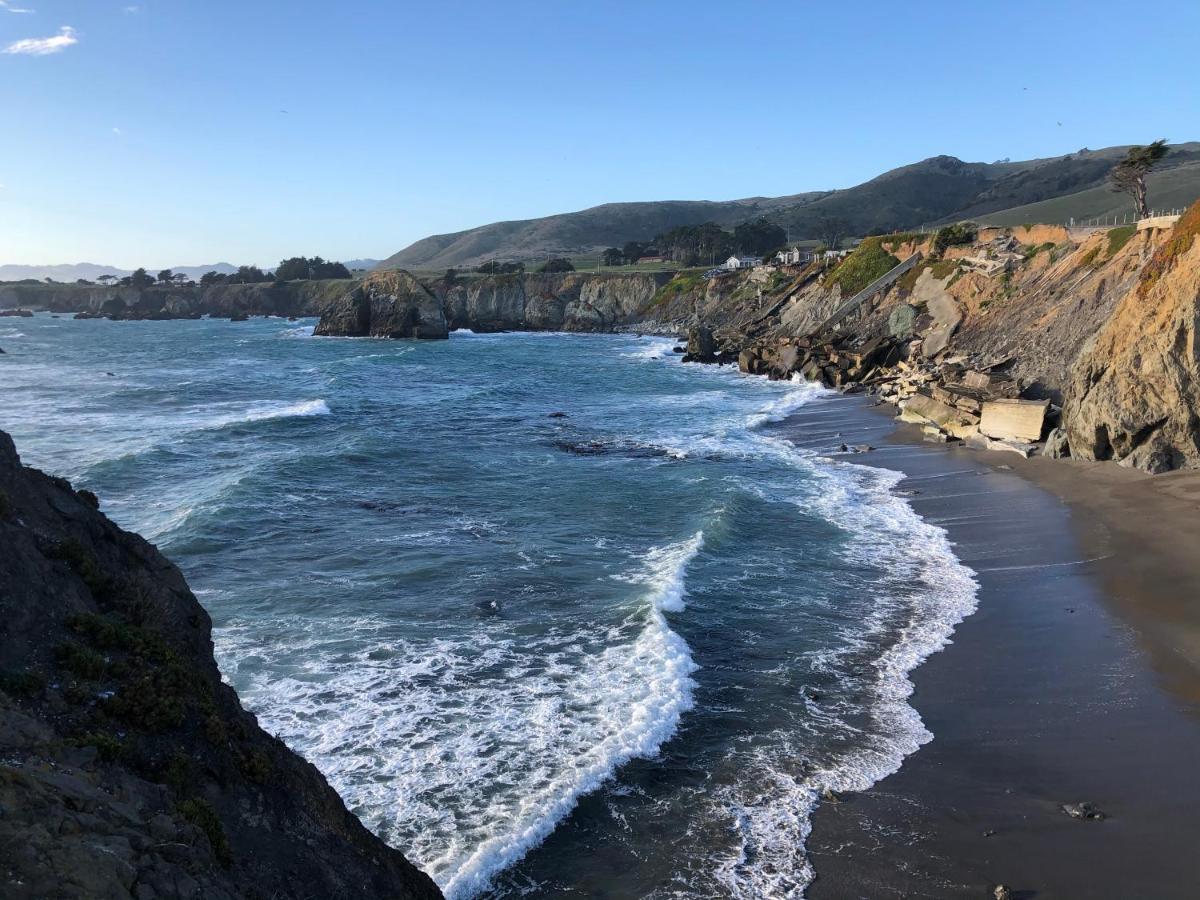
(1075,681)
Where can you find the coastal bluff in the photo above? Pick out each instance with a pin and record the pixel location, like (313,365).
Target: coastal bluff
(128,768)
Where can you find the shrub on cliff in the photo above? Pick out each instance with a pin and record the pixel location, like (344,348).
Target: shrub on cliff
(558,264)
(954,235)
(868,262)
(1180,242)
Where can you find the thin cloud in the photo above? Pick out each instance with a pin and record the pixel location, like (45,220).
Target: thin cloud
(116,131)
(131,10)
(44,46)
(8,7)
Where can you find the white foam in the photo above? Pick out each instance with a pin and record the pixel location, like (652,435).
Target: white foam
(770,809)
(651,349)
(467,752)
(262,412)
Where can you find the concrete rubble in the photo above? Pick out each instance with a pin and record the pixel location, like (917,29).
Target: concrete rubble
(952,398)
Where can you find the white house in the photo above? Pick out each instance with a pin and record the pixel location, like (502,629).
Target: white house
(793,256)
(741,262)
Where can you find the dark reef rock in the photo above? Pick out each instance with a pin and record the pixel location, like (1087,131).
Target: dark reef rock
(127,767)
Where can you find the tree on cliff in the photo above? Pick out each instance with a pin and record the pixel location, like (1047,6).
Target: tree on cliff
(831,230)
(248,275)
(758,237)
(299,268)
(632,251)
(558,264)
(612,257)
(139,279)
(165,276)
(694,245)
(1129,175)
(210,278)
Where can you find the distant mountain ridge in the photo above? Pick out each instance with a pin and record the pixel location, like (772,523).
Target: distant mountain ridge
(71,272)
(942,188)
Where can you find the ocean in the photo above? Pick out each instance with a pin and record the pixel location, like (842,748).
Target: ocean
(557,615)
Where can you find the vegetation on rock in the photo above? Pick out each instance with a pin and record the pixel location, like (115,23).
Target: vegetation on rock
(558,264)
(868,262)
(1183,235)
(954,235)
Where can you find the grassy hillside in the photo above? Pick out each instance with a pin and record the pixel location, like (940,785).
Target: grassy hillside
(938,189)
(1174,188)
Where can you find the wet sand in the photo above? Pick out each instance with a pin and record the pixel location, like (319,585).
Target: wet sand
(1075,680)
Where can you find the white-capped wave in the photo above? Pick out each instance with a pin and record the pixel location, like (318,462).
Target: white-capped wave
(468,751)
(261,412)
(652,348)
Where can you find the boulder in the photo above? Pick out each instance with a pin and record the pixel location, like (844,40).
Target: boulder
(902,321)
(747,360)
(1020,420)
(786,360)
(930,410)
(1057,445)
(701,345)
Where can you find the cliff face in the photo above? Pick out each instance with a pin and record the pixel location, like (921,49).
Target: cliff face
(293,298)
(127,767)
(1099,322)
(1134,394)
(575,301)
(385,304)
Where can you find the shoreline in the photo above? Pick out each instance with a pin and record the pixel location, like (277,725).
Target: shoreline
(1075,680)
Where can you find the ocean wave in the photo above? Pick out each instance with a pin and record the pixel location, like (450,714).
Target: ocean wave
(652,349)
(469,751)
(301,331)
(925,595)
(262,412)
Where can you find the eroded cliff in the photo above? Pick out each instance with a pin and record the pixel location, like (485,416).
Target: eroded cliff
(1134,394)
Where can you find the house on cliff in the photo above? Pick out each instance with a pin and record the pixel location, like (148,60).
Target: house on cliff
(741,262)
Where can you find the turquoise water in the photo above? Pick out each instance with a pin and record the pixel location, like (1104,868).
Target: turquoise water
(618,652)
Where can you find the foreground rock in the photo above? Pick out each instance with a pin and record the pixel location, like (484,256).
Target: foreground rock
(386,304)
(127,768)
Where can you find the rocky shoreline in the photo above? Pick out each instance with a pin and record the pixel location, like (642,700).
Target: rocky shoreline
(1035,339)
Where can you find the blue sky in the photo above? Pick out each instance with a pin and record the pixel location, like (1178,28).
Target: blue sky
(176,132)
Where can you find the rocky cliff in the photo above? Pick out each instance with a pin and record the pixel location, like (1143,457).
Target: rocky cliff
(385,304)
(127,767)
(1094,329)
(1134,394)
(292,298)
(574,301)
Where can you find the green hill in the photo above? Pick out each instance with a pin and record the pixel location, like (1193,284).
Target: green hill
(934,190)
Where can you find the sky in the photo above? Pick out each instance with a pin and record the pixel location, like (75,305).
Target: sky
(183,132)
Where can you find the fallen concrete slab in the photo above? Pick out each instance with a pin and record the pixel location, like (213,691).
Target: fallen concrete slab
(1019,420)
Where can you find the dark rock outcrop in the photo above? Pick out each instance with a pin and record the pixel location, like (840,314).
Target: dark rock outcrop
(386,304)
(701,345)
(291,298)
(127,767)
